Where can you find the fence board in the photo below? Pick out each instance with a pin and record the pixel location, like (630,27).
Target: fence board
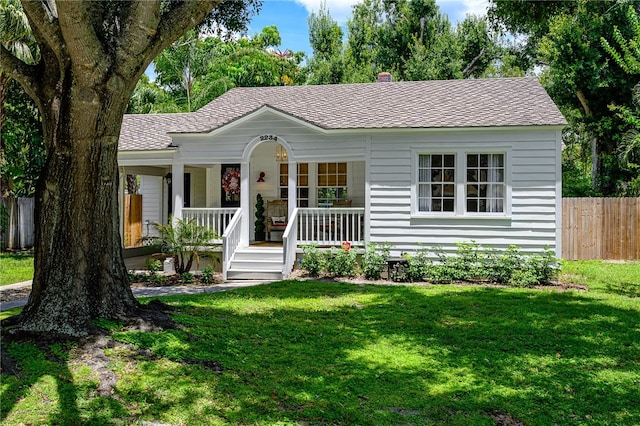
(20,232)
(601,228)
(132,220)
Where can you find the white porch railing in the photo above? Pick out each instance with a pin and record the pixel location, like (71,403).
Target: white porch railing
(216,219)
(330,226)
(230,241)
(289,244)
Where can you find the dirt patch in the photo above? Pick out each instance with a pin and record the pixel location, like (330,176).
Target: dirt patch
(165,280)
(504,419)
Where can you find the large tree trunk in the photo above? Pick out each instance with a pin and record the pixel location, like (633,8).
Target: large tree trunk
(91,55)
(80,273)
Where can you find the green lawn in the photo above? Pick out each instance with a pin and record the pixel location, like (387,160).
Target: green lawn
(326,353)
(15,267)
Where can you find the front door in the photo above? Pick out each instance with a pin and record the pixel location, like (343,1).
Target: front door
(230,181)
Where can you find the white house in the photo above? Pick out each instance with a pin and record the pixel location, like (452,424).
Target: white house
(408,163)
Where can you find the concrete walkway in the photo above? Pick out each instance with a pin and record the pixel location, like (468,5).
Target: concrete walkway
(147,291)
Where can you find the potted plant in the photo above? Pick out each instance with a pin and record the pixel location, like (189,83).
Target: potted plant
(260,224)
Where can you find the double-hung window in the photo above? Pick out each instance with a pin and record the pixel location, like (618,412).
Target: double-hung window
(332,183)
(436,182)
(485,189)
(461,183)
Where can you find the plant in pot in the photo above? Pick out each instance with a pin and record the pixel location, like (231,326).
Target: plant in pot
(260,224)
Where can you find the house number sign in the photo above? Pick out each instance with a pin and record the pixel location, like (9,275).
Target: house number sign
(269,138)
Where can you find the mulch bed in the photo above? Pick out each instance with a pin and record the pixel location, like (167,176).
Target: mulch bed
(174,280)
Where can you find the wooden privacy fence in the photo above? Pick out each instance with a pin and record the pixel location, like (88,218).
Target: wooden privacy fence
(132,220)
(600,228)
(19,232)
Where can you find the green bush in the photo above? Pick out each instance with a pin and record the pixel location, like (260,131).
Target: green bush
(153,265)
(418,266)
(499,267)
(313,261)
(207,275)
(341,263)
(184,240)
(466,263)
(374,260)
(186,277)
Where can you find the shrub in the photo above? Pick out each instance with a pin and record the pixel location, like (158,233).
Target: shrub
(417,266)
(153,265)
(500,267)
(184,240)
(374,260)
(312,260)
(207,274)
(543,267)
(466,263)
(186,277)
(341,263)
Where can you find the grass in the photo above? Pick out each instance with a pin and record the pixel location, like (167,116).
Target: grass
(326,353)
(15,267)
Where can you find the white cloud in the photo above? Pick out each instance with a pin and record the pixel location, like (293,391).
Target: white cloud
(467,7)
(340,10)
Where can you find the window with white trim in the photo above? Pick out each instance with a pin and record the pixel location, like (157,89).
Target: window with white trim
(332,183)
(461,183)
(485,186)
(302,181)
(436,183)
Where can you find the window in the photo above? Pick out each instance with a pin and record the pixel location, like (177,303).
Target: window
(302,183)
(485,189)
(436,183)
(461,183)
(332,183)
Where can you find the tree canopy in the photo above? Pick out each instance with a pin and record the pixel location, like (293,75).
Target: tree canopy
(564,39)
(91,55)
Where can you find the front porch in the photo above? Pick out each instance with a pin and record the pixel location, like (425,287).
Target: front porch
(320,226)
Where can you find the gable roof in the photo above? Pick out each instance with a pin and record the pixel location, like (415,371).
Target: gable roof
(500,102)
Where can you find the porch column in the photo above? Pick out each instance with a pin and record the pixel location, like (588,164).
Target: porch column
(245,203)
(121,183)
(177,187)
(292,187)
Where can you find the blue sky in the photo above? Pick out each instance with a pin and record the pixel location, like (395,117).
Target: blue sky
(290,16)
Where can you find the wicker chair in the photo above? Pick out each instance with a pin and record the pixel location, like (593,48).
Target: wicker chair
(277,216)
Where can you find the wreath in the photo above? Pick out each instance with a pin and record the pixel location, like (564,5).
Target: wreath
(228,184)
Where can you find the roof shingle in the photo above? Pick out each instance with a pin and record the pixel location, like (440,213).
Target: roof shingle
(411,104)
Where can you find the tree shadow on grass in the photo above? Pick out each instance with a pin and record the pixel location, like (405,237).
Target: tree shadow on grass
(388,355)
(38,364)
(39,367)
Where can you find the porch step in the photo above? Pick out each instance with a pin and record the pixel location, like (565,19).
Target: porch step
(256,263)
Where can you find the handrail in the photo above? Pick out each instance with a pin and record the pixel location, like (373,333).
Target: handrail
(331,226)
(289,244)
(217,219)
(230,241)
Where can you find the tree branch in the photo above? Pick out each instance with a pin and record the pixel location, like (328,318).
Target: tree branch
(148,32)
(583,101)
(44,25)
(82,43)
(470,68)
(179,20)
(25,74)
(140,27)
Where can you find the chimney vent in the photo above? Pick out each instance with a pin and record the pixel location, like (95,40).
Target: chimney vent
(384,77)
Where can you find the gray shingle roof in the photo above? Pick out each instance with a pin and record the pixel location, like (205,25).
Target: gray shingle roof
(412,104)
(143,132)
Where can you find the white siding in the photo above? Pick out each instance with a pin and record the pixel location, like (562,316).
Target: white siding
(531,225)
(151,190)
(307,145)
